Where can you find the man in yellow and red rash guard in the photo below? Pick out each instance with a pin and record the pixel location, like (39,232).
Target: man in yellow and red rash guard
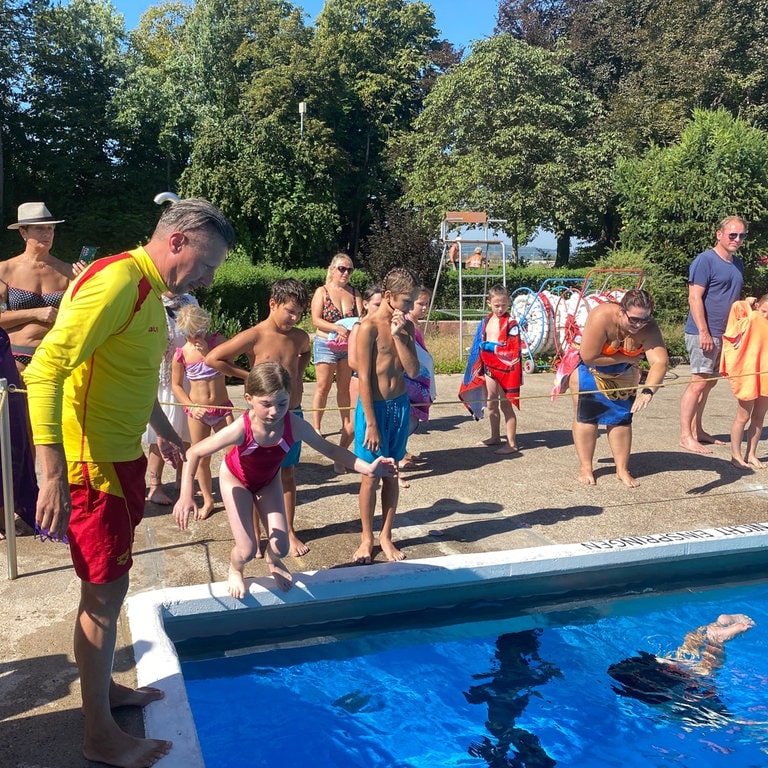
(92,388)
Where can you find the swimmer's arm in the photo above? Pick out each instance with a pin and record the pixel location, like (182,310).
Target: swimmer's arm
(405,344)
(54,504)
(222,356)
(177,383)
(382,467)
(15,318)
(366,340)
(699,315)
(657,356)
(233,434)
(352,347)
(305,354)
(169,443)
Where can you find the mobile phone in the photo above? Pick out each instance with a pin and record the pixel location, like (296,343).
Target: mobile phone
(87,253)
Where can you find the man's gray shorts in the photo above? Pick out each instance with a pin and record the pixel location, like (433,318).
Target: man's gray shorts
(701,361)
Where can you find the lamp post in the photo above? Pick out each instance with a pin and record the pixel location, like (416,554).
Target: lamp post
(302,112)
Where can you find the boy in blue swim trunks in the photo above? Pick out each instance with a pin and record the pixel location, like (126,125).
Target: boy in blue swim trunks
(276,339)
(386,350)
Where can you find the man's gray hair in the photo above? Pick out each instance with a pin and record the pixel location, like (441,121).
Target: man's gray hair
(194,213)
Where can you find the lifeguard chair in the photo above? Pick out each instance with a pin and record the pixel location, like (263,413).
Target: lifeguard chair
(473,282)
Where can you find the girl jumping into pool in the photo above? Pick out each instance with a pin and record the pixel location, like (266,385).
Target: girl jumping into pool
(250,473)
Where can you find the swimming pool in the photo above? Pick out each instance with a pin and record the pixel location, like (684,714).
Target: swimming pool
(525,691)
(537,581)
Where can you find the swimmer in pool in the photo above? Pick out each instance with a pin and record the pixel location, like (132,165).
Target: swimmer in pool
(683,678)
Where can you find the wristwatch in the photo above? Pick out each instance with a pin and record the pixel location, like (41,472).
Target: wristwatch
(647,391)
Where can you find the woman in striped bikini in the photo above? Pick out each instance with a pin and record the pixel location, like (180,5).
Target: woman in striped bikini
(35,282)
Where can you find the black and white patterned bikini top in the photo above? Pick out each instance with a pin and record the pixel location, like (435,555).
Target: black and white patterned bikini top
(18,298)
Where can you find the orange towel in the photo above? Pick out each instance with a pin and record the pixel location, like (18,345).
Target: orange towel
(745,352)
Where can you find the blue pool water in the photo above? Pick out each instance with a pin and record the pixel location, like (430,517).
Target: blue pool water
(515,691)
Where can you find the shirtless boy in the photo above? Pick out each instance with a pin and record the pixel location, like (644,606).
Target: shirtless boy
(385,351)
(276,339)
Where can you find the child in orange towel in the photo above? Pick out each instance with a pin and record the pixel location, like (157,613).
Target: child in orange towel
(745,361)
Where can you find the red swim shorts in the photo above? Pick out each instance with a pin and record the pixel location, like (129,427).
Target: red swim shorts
(107,505)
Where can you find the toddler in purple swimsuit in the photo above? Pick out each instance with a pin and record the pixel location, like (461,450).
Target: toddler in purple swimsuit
(207,405)
(250,473)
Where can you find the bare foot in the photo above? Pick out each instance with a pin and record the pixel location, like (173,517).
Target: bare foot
(739,463)
(280,573)
(391,551)
(403,483)
(123,696)
(236,583)
(755,463)
(728,626)
(298,547)
(205,511)
(627,479)
(507,450)
(411,460)
(339,469)
(363,555)
(156,495)
(586,477)
(706,439)
(125,751)
(493,441)
(692,445)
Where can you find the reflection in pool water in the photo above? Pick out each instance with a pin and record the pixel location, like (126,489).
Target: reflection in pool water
(491,692)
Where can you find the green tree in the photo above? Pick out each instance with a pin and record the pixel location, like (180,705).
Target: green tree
(154,103)
(400,238)
(16,18)
(248,153)
(537,22)
(73,155)
(672,198)
(372,62)
(509,132)
(652,62)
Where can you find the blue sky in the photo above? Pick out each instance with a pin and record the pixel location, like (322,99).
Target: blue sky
(458,21)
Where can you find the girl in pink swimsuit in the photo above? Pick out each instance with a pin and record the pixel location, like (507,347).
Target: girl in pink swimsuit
(250,473)
(207,405)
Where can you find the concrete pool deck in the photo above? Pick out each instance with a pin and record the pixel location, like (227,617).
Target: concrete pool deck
(465,500)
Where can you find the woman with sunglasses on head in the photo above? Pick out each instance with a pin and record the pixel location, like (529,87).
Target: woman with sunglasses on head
(605,384)
(333,302)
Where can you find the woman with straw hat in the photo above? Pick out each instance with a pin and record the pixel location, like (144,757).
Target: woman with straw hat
(35,282)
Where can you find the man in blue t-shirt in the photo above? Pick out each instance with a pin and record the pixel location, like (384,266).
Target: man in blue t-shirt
(715,280)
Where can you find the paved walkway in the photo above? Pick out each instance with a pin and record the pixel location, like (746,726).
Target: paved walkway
(465,499)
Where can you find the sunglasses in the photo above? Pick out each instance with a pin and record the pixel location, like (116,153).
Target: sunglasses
(737,236)
(346,270)
(638,321)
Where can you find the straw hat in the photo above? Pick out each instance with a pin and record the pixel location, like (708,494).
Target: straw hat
(34,213)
